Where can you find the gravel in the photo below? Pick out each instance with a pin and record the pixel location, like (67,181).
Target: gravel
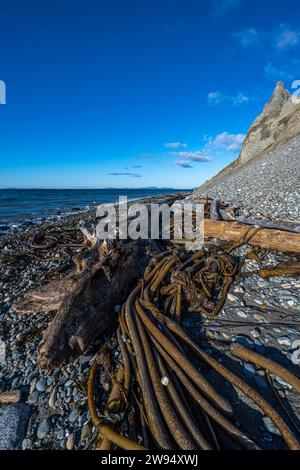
(266,187)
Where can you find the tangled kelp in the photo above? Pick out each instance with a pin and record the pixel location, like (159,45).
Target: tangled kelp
(175,406)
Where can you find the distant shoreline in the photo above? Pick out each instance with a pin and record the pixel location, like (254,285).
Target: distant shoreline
(34,206)
(74,214)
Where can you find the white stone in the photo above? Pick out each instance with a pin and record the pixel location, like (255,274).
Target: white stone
(242,314)
(232,298)
(296,344)
(270,426)
(284,341)
(165,381)
(296,357)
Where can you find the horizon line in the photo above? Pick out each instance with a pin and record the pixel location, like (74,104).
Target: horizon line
(93,188)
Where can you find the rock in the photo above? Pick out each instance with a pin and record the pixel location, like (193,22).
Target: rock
(239,290)
(249,370)
(106,386)
(295,344)
(282,394)
(33,398)
(86,359)
(165,380)
(52,399)
(232,298)
(242,314)
(255,333)
(284,341)
(270,426)
(50,380)
(13,424)
(43,429)
(282,383)
(11,397)
(41,385)
(25,444)
(86,432)
(73,416)
(296,357)
(210,334)
(70,442)
(225,335)
(258,317)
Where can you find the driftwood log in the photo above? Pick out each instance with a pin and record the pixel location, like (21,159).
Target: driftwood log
(85,299)
(276,240)
(286,226)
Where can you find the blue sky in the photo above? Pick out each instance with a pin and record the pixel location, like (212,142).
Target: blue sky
(139,92)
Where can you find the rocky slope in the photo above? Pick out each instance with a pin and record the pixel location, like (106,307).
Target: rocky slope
(265,187)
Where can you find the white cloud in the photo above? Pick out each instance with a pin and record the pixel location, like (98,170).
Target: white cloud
(221,7)
(196,156)
(240,98)
(175,145)
(217,97)
(248,37)
(133,175)
(230,142)
(183,164)
(287,39)
(282,38)
(185,158)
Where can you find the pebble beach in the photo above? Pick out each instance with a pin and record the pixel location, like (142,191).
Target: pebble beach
(52,412)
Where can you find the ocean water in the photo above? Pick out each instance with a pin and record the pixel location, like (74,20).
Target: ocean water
(21,206)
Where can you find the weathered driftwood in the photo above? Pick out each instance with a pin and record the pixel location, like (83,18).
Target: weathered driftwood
(227,213)
(85,299)
(276,240)
(214,210)
(87,311)
(276,225)
(49,297)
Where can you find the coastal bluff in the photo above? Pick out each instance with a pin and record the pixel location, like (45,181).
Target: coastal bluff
(276,126)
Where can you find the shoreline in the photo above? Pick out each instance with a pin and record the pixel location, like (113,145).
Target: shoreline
(9,226)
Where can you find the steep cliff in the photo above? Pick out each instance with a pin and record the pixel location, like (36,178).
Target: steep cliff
(278,124)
